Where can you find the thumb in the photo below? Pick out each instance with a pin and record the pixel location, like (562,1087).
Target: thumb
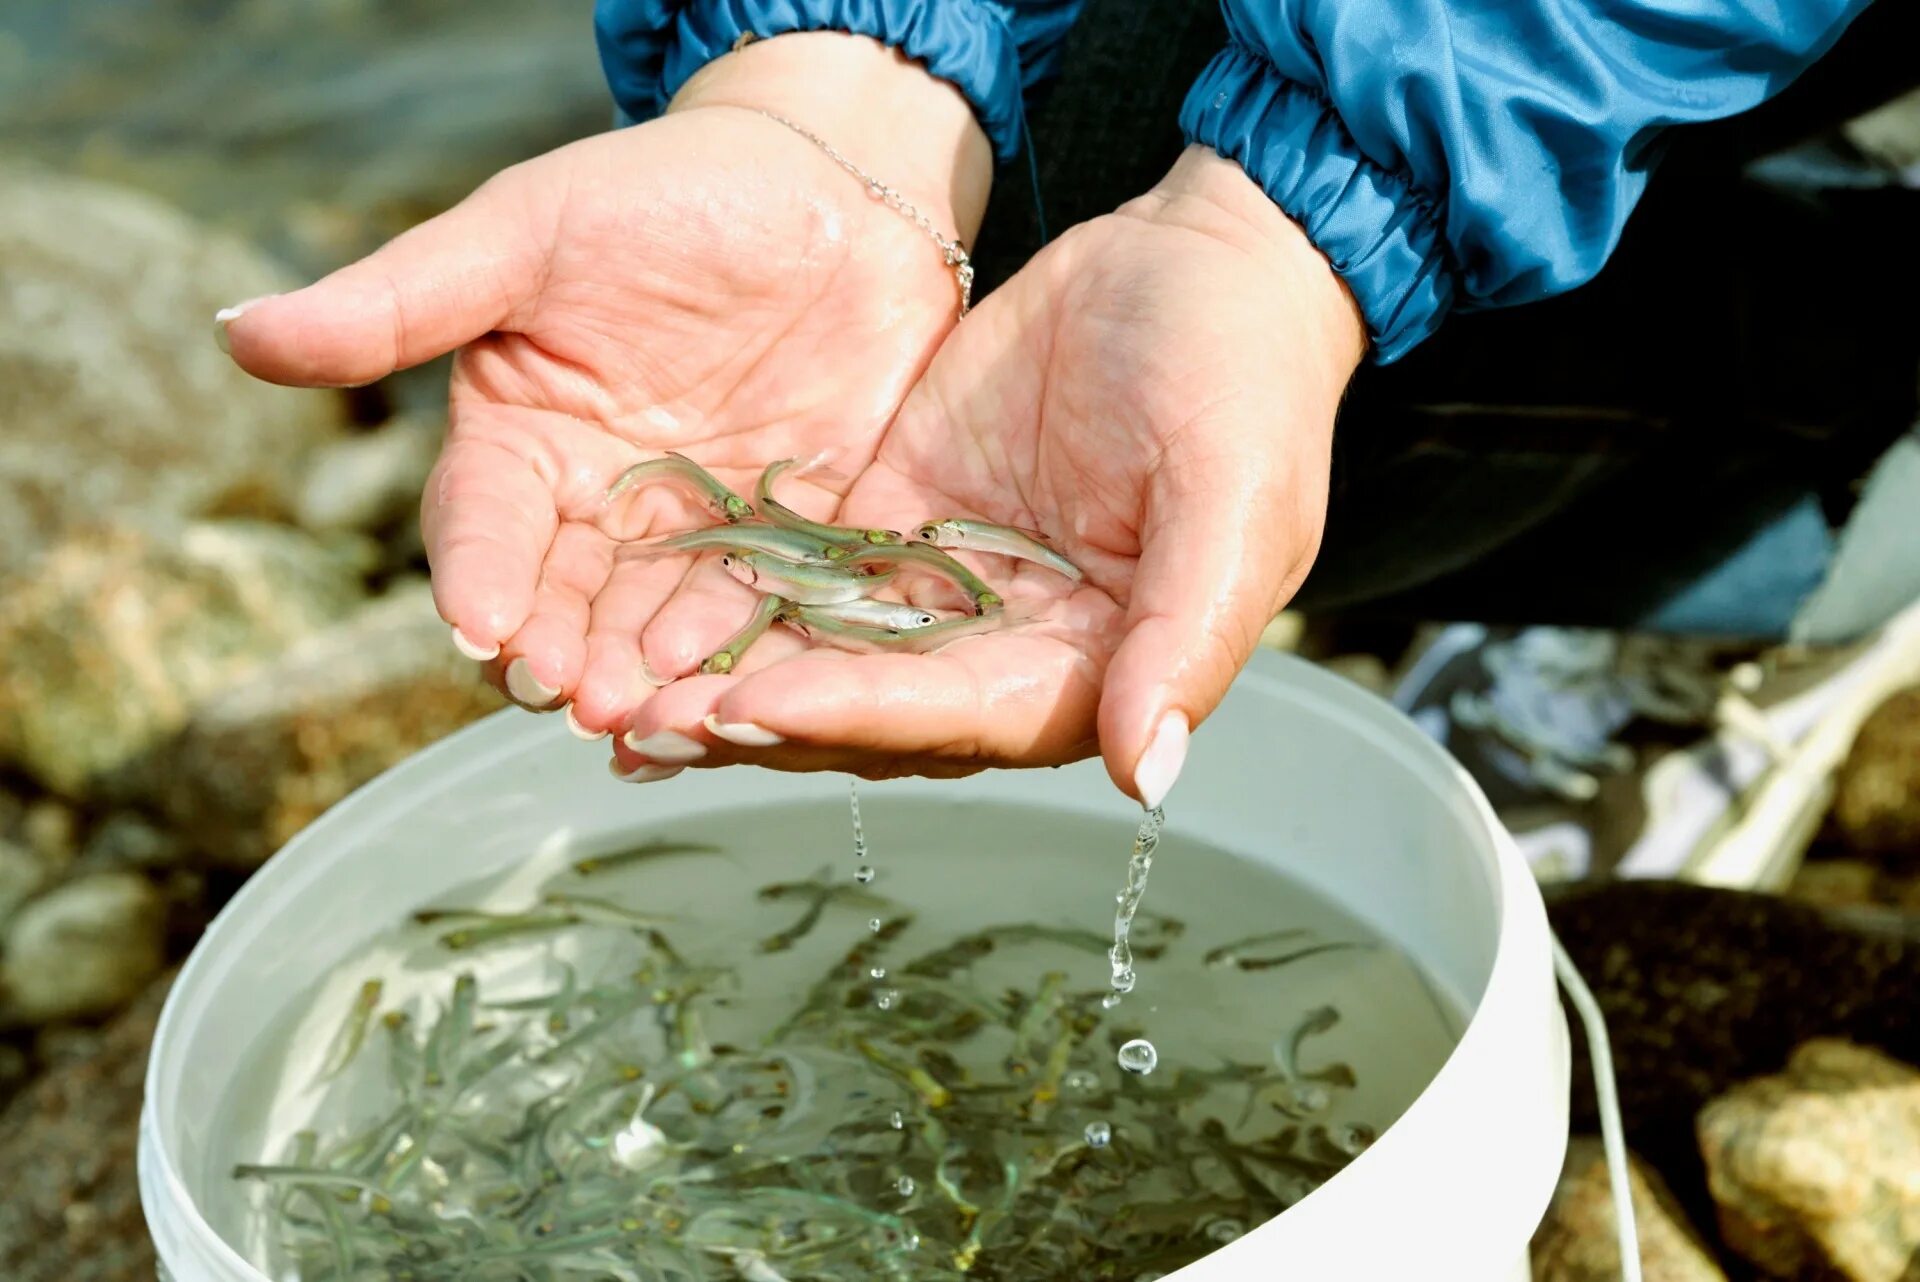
(435,288)
(1226,537)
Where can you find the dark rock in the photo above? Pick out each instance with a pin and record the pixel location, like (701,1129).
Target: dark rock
(1817,1170)
(72,1209)
(1577,1241)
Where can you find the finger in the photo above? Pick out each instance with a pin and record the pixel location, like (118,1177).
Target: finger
(545,657)
(682,727)
(992,700)
(438,286)
(616,680)
(488,521)
(1219,556)
(704,612)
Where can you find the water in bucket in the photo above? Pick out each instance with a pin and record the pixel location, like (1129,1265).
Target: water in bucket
(705,1063)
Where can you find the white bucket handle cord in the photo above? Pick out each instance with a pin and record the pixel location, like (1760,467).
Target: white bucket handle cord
(1612,1134)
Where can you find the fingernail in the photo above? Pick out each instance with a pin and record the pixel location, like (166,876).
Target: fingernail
(227,316)
(642,774)
(744,733)
(666,745)
(478,653)
(527,690)
(1160,764)
(580,731)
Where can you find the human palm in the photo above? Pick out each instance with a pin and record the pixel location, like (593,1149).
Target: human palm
(617,298)
(1155,394)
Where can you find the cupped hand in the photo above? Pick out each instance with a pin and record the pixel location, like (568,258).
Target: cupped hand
(709,283)
(1155,392)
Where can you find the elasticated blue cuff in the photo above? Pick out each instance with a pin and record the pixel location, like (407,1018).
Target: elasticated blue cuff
(650,48)
(1379,231)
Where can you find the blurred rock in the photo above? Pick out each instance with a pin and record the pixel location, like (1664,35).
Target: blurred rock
(47,826)
(81,950)
(1815,1169)
(72,1210)
(1835,883)
(22,874)
(114,400)
(1704,989)
(264,758)
(1876,805)
(318,128)
(1577,1243)
(370,482)
(128,840)
(120,633)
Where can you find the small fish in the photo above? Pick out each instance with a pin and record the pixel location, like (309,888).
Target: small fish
(999,540)
(485,928)
(770,609)
(605,912)
(870,613)
(1230,953)
(682,470)
(774,510)
(818,625)
(347,1042)
(642,853)
(925,556)
(803,584)
(751,536)
(450,1033)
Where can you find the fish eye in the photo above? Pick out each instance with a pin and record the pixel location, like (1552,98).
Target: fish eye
(924,620)
(926,533)
(726,560)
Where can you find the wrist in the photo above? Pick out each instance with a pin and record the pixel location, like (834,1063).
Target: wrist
(907,128)
(1206,193)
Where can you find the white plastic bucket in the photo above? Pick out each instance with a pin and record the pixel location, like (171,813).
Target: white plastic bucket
(1296,766)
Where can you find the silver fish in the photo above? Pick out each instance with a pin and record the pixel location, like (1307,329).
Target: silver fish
(880,614)
(805,584)
(998,540)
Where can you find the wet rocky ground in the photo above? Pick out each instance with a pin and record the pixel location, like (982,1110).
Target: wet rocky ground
(215,623)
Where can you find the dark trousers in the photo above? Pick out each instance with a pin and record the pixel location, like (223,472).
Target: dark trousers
(1583,459)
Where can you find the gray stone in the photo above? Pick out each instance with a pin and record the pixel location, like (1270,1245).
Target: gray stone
(266,756)
(127,840)
(1577,1242)
(370,482)
(81,950)
(1814,1168)
(115,404)
(121,633)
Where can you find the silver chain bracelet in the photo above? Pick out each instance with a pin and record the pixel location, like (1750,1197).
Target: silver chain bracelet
(954,253)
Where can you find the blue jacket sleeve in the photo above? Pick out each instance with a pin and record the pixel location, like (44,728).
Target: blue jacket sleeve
(1478,153)
(992,50)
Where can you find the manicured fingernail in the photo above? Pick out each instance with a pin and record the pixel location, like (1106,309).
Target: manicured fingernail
(580,731)
(666,745)
(227,316)
(744,733)
(1160,764)
(642,774)
(478,653)
(528,690)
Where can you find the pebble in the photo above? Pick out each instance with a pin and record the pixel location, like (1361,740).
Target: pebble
(82,950)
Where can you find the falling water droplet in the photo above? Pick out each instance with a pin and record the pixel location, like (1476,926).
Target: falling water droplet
(859,832)
(873,924)
(1110,1001)
(1127,902)
(1224,1231)
(863,874)
(1139,1056)
(1081,1081)
(898,1121)
(877,972)
(1099,1134)
(905,1185)
(886,997)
